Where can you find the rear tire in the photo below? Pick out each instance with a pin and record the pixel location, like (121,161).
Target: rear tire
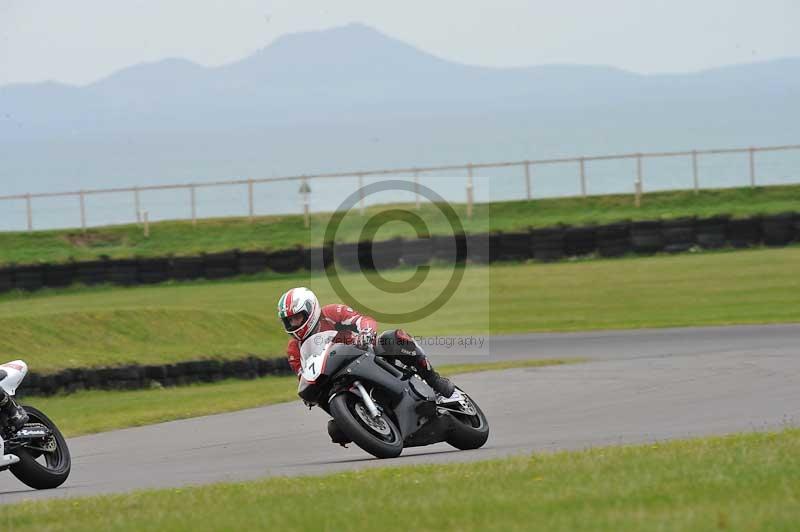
(469,432)
(344,410)
(35,474)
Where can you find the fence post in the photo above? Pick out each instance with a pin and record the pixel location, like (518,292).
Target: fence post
(361,193)
(146,225)
(528,179)
(416,188)
(305,192)
(752,167)
(83,210)
(194,204)
(695,177)
(306,215)
(251,209)
(469,191)
(136,205)
(638,184)
(29,210)
(583,177)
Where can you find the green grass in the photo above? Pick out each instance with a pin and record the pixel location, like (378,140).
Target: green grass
(280,232)
(739,482)
(93,411)
(113,325)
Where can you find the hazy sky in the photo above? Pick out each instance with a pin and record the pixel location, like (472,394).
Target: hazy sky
(79,41)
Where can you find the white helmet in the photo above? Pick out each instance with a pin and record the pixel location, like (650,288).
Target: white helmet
(299,301)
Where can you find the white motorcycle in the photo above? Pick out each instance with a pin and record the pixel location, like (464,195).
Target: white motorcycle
(35,453)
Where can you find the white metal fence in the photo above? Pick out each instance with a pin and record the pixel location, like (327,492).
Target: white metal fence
(529,180)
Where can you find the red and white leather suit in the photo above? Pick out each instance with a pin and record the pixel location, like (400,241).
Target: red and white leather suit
(334,317)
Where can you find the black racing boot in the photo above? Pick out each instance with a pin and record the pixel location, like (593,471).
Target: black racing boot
(337,436)
(441,385)
(16,414)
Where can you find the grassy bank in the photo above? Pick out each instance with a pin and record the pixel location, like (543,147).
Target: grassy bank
(279,232)
(741,482)
(97,411)
(229,319)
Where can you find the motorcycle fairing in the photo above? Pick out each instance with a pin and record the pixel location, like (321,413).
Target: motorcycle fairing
(11,375)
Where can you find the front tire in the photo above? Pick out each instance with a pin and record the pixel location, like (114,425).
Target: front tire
(381,438)
(469,431)
(57,463)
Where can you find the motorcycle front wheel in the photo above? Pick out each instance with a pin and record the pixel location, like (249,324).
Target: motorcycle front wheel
(379,436)
(46,467)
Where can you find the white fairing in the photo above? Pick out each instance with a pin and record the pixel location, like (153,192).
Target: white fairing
(6,459)
(313,354)
(16,370)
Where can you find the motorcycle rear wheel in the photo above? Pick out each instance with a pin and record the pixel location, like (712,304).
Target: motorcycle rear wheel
(57,463)
(381,438)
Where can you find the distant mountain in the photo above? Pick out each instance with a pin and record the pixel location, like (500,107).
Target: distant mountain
(352,97)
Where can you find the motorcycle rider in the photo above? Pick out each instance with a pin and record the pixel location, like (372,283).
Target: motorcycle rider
(301,315)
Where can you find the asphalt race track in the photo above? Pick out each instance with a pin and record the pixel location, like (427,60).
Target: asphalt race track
(639,386)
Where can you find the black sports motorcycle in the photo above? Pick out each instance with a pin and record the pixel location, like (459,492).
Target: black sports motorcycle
(380,406)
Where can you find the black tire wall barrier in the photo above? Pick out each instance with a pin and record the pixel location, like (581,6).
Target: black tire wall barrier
(29,278)
(744,233)
(515,246)
(548,244)
(712,233)
(614,240)
(647,237)
(7,280)
(186,268)
(416,252)
(91,273)
(543,244)
(59,275)
(135,377)
(449,249)
(285,261)
(318,259)
(778,229)
(580,241)
(383,255)
(153,271)
(221,265)
(124,272)
(252,262)
(479,248)
(347,256)
(680,234)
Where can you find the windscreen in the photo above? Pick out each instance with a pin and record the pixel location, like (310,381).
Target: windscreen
(315,345)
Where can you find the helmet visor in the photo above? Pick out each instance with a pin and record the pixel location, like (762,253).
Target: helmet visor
(295,321)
